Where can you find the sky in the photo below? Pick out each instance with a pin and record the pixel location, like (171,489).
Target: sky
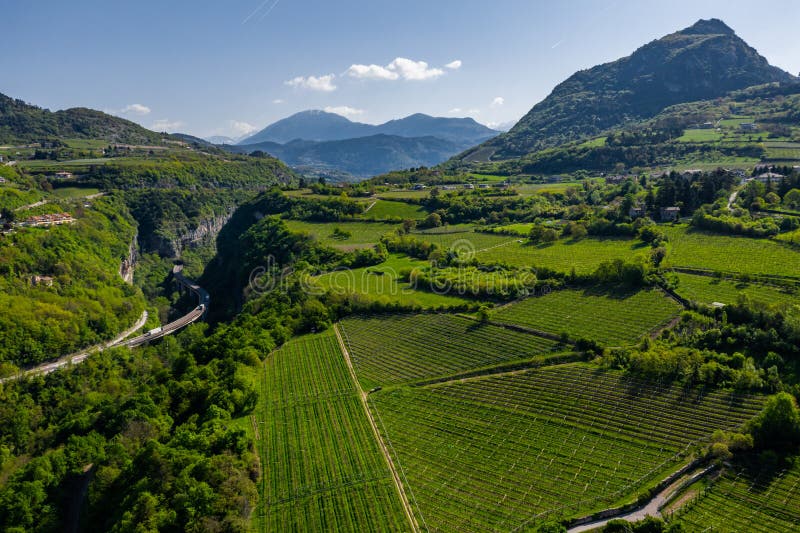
(232,67)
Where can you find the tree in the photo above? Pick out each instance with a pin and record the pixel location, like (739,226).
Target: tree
(792,199)
(409,225)
(434,220)
(778,424)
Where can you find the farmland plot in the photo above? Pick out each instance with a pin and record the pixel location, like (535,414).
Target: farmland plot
(394,349)
(501,452)
(322,467)
(609,319)
(707,290)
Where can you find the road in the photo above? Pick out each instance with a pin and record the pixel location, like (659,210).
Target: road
(81,356)
(653,507)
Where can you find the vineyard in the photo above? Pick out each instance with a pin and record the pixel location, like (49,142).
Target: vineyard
(705,289)
(400,348)
(746,500)
(506,451)
(697,249)
(322,468)
(386,209)
(584,255)
(609,319)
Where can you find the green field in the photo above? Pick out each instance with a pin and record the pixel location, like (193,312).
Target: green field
(322,467)
(746,499)
(730,253)
(361,233)
(608,318)
(501,452)
(381,281)
(75,192)
(463,238)
(394,195)
(522,229)
(399,348)
(707,290)
(385,209)
(584,255)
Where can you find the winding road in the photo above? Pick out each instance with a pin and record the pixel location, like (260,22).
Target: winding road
(192,316)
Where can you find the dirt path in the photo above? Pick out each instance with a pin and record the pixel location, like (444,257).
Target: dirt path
(363,397)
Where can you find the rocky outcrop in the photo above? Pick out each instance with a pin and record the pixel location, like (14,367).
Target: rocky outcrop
(174,244)
(128,263)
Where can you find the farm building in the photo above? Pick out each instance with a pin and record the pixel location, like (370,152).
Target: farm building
(636,212)
(49,220)
(670,213)
(47,281)
(748,126)
(768,177)
(63,175)
(690,173)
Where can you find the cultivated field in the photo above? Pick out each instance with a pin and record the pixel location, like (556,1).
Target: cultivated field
(382,282)
(706,289)
(501,452)
(387,210)
(322,467)
(608,318)
(399,348)
(745,499)
(729,253)
(361,233)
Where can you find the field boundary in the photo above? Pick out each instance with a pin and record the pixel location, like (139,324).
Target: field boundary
(362,396)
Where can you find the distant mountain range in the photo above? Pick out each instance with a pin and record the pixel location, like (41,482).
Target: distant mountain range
(360,156)
(326,141)
(704,61)
(316,125)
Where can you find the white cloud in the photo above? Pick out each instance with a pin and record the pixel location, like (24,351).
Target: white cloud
(314,83)
(371,72)
(135,109)
(240,128)
(344,110)
(454,65)
(497,101)
(278,101)
(455,111)
(167,125)
(399,68)
(414,70)
(464,112)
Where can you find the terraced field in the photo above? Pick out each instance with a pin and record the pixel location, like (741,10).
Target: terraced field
(322,467)
(609,319)
(394,349)
(705,289)
(502,452)
(698,249)
(744,500)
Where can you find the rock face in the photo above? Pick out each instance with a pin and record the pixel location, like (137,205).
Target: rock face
(129,263)
(703,61)
(173,245)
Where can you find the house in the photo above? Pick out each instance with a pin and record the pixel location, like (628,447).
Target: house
(2,180)
(615,180)
(469,186)
(636,212)
(1,159)
(47,281)
(768,177)
(670,213)
(484,186)
(54,219)
(748,126)
(419,187)
(706,126)
(63,175)
(691,173)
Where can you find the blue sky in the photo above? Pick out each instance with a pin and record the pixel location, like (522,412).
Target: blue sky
(222,68)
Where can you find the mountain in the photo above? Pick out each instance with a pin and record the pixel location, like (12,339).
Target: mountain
(20,121)
(706,60)
(360,156)
(316,125)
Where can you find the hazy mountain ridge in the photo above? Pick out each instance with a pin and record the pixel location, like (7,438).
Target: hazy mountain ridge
(317,125)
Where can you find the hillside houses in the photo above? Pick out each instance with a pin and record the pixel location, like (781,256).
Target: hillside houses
(53,219)
(670,213)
